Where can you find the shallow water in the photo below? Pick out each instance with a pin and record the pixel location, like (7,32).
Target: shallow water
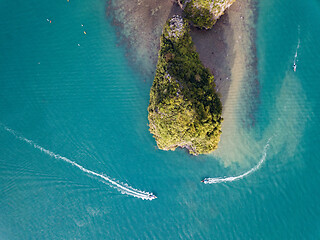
(87,104)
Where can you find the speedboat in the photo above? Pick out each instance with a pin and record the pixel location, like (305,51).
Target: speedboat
(205,181)
(294,67)
(152,196)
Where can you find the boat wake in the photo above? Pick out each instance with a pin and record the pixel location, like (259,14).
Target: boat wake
(295,61)
(231,179)
(123,188)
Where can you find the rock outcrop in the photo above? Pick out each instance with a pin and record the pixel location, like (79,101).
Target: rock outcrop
(204,13)
(184,109)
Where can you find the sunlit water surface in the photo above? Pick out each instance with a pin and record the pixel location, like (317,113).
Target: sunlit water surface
(69,88)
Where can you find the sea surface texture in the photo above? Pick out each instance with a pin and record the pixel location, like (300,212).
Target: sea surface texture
(77,159)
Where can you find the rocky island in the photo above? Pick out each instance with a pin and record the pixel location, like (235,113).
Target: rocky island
(184,110)
(204,13)
(227,50)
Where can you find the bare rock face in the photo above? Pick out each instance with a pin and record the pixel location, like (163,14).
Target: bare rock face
(218,7)
(175,28)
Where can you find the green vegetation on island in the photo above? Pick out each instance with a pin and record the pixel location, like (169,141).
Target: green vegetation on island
(184,109)
(204,13)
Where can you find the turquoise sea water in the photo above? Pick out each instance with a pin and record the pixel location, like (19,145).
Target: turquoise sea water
(88,105)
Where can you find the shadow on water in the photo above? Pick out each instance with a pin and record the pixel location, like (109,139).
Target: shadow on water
(213,49)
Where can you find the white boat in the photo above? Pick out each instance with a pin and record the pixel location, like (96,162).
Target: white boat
(205,181)
(152,196)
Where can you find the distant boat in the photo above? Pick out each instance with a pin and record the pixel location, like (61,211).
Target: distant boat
(294,67)
(152,196)
(205,181)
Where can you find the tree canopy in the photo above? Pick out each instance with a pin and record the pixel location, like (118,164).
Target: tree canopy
(184,109)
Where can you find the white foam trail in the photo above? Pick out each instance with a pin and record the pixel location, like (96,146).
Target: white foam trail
(231,179)
(123,188)
(296,54)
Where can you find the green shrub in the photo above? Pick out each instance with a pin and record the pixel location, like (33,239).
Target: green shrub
(200,16)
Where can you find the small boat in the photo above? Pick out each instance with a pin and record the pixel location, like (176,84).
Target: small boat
(152,196)
(294,67)
(205,181)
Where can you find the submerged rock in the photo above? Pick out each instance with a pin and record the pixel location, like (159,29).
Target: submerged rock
(184,109)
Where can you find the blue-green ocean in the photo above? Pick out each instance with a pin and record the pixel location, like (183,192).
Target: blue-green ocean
(73,109)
